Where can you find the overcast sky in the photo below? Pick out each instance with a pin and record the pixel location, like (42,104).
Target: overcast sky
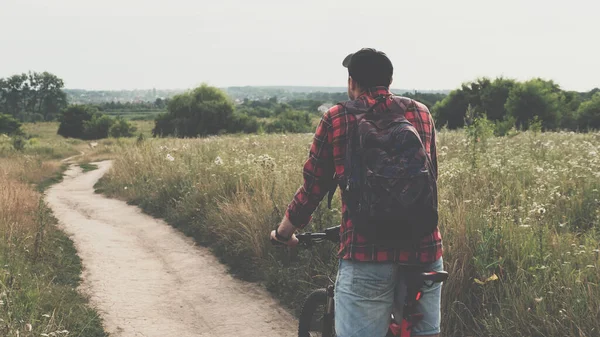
(127,44)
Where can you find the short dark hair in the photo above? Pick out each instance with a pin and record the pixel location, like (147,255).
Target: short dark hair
(369,68)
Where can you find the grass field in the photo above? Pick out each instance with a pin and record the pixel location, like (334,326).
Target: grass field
(39,267)
(519,216)
(134,115)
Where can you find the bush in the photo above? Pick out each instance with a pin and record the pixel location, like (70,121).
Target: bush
(18,143)
(203,111)
(9,125)
(122,128)
(85,122)
(504,127)
(244,123)
(97,127)
(291,121)
(73,119)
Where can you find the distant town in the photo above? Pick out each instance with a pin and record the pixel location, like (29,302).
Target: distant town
(238,94)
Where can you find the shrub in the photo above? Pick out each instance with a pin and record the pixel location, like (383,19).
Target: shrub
(244,123)
(97,127)
(18,143)
(479,129)
(504,127)
(73,119)
(9,125)
(85,122)
(122,128)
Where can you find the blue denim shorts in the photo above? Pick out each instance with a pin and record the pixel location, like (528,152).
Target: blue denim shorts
(364,299)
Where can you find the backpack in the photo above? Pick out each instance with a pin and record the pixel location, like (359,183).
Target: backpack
(389,181)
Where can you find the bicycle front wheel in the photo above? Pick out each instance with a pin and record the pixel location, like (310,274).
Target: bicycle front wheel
(314,319)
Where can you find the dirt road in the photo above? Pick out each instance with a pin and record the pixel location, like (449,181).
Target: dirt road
(147,279)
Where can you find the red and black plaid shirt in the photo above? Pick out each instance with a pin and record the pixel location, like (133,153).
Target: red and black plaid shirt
(327,156)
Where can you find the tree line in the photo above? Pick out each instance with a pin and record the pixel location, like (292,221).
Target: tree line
(32,96)
(516,104)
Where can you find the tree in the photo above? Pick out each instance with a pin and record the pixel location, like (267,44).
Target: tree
(569,105)
(51,98)
(486,97)
(535,98)
(493,97)
(32,93)
(203,111)
(9,125)
(451,110)
(73,119)
(589,113)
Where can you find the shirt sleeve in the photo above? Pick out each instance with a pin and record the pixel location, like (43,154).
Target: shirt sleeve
(318,174)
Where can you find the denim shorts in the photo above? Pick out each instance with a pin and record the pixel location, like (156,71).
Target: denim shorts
(365,294)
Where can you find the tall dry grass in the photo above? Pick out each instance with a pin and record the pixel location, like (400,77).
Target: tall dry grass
(39,267)
(521,228)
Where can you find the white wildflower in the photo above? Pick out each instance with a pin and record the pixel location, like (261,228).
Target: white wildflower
(219,161)
(125,187)
(169,157)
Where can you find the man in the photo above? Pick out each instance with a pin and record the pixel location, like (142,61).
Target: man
(370,275)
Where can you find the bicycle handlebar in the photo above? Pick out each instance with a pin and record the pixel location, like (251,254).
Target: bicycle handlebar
(307,239)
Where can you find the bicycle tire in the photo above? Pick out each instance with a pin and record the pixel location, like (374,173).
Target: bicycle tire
(310,311)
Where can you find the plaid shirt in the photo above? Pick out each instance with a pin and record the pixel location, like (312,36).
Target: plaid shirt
(327,156)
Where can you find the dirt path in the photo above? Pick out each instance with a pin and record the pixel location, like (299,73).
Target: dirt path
(147,279)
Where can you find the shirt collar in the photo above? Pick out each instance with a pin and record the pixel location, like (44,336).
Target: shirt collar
(376,91)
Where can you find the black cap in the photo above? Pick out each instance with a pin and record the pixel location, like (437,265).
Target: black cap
(369,67)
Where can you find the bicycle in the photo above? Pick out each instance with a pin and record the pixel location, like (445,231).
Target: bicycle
(317,315)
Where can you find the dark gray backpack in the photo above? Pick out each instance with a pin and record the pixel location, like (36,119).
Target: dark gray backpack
(390,186)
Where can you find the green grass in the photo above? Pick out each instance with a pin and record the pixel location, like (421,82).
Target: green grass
(87,167)
(55,179)
(527,212)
